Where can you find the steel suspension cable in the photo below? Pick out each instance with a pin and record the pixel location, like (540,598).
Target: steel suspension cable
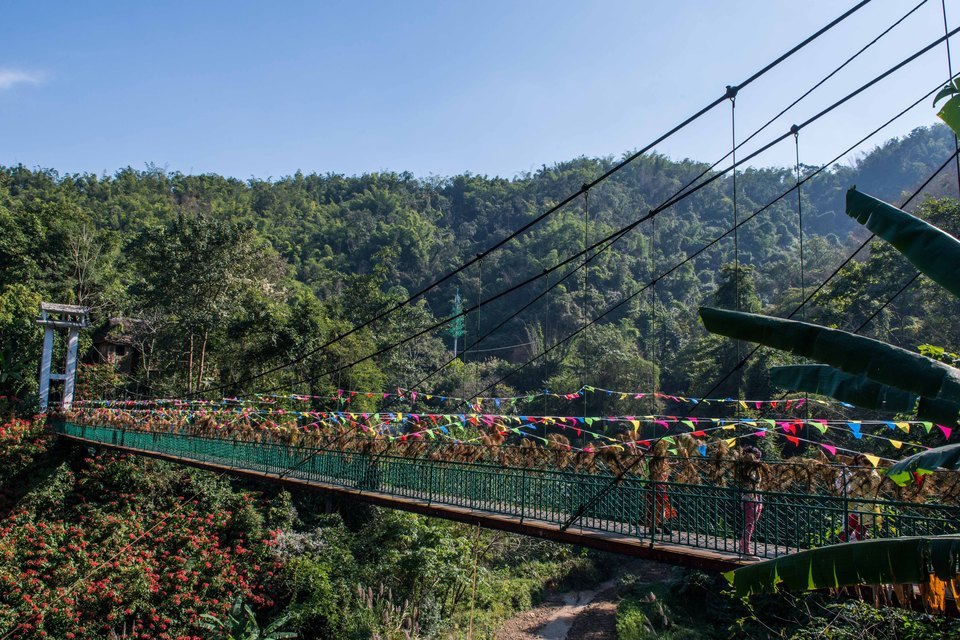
(586,284)
(736,226)
(717,239)
(803,287)
(843,264)
(654,362)
(794,130)
(956,141)
(652,213)
(479,325)
(550,211)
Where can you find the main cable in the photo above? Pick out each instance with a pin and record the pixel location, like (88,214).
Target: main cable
(653,212)
(840,268)
(696,254)
(616,168)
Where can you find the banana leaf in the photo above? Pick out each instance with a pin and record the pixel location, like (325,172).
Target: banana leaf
(856,390)
(846,351)
(950,113)
(887,561)
(862,392)
(946,457)
(931,250)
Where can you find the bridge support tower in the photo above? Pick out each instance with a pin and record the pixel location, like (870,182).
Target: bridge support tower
(60,316)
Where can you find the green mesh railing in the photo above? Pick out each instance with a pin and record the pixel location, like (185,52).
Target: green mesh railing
(704,516)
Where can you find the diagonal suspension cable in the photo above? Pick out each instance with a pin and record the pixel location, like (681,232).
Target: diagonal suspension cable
(613,482)
(652,213)
(499,244)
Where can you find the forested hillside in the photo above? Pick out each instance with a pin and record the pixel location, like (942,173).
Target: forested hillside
(226,278)
(230,277)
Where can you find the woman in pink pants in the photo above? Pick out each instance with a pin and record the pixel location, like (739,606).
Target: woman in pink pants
(749,475)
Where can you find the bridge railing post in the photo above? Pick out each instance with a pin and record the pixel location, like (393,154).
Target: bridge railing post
(652,502)
(846,506)
(429,483)
(523,493)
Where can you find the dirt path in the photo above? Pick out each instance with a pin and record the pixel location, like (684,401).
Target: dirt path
(579,615)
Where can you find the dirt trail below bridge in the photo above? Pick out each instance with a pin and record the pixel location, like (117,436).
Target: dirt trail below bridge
(589,614)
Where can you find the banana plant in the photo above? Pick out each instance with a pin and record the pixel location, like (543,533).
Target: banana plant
(925,462)
(890,561)
(853,354)
(862,392)
(241,624)
(871,374)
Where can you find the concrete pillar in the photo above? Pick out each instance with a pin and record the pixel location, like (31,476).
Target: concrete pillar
(71,371)
(45,363)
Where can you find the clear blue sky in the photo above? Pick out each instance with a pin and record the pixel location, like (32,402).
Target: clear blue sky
(496,87)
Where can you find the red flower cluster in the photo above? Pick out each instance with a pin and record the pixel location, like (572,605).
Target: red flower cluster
(120,544)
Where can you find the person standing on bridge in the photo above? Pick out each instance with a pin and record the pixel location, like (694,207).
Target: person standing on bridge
(659,509)
(749,476)
(860,485)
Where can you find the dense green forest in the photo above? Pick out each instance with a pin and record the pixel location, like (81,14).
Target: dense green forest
(233,277)
(230,278)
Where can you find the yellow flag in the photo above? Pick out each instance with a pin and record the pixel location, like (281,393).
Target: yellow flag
(904,426)
(874,460)
(896,443)
(729,427)
(731,441)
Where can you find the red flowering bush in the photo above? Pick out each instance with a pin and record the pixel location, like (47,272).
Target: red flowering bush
(140,548)
(21,441)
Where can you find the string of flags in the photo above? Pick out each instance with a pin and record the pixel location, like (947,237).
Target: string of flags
(345,396)
(459,427)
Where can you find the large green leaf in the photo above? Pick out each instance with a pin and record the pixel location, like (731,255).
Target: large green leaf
(846,351)
(945,457)
(857,390)
(950,113)
(862,392)
(888,561)
(931,250)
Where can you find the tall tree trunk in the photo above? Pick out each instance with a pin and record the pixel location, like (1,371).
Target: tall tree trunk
(147,361)
(203,353)
(190,367)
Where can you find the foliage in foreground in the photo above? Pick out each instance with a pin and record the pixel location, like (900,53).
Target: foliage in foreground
(100,544)
(698,607)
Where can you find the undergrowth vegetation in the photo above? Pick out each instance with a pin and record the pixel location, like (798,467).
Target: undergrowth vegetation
(98,544)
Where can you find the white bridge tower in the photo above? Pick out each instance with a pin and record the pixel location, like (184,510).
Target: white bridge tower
(60,316)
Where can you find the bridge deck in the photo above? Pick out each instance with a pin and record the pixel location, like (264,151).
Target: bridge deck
(605,540)
(537,502)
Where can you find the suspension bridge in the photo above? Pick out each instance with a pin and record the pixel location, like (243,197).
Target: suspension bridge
(622,493)
(676,505)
